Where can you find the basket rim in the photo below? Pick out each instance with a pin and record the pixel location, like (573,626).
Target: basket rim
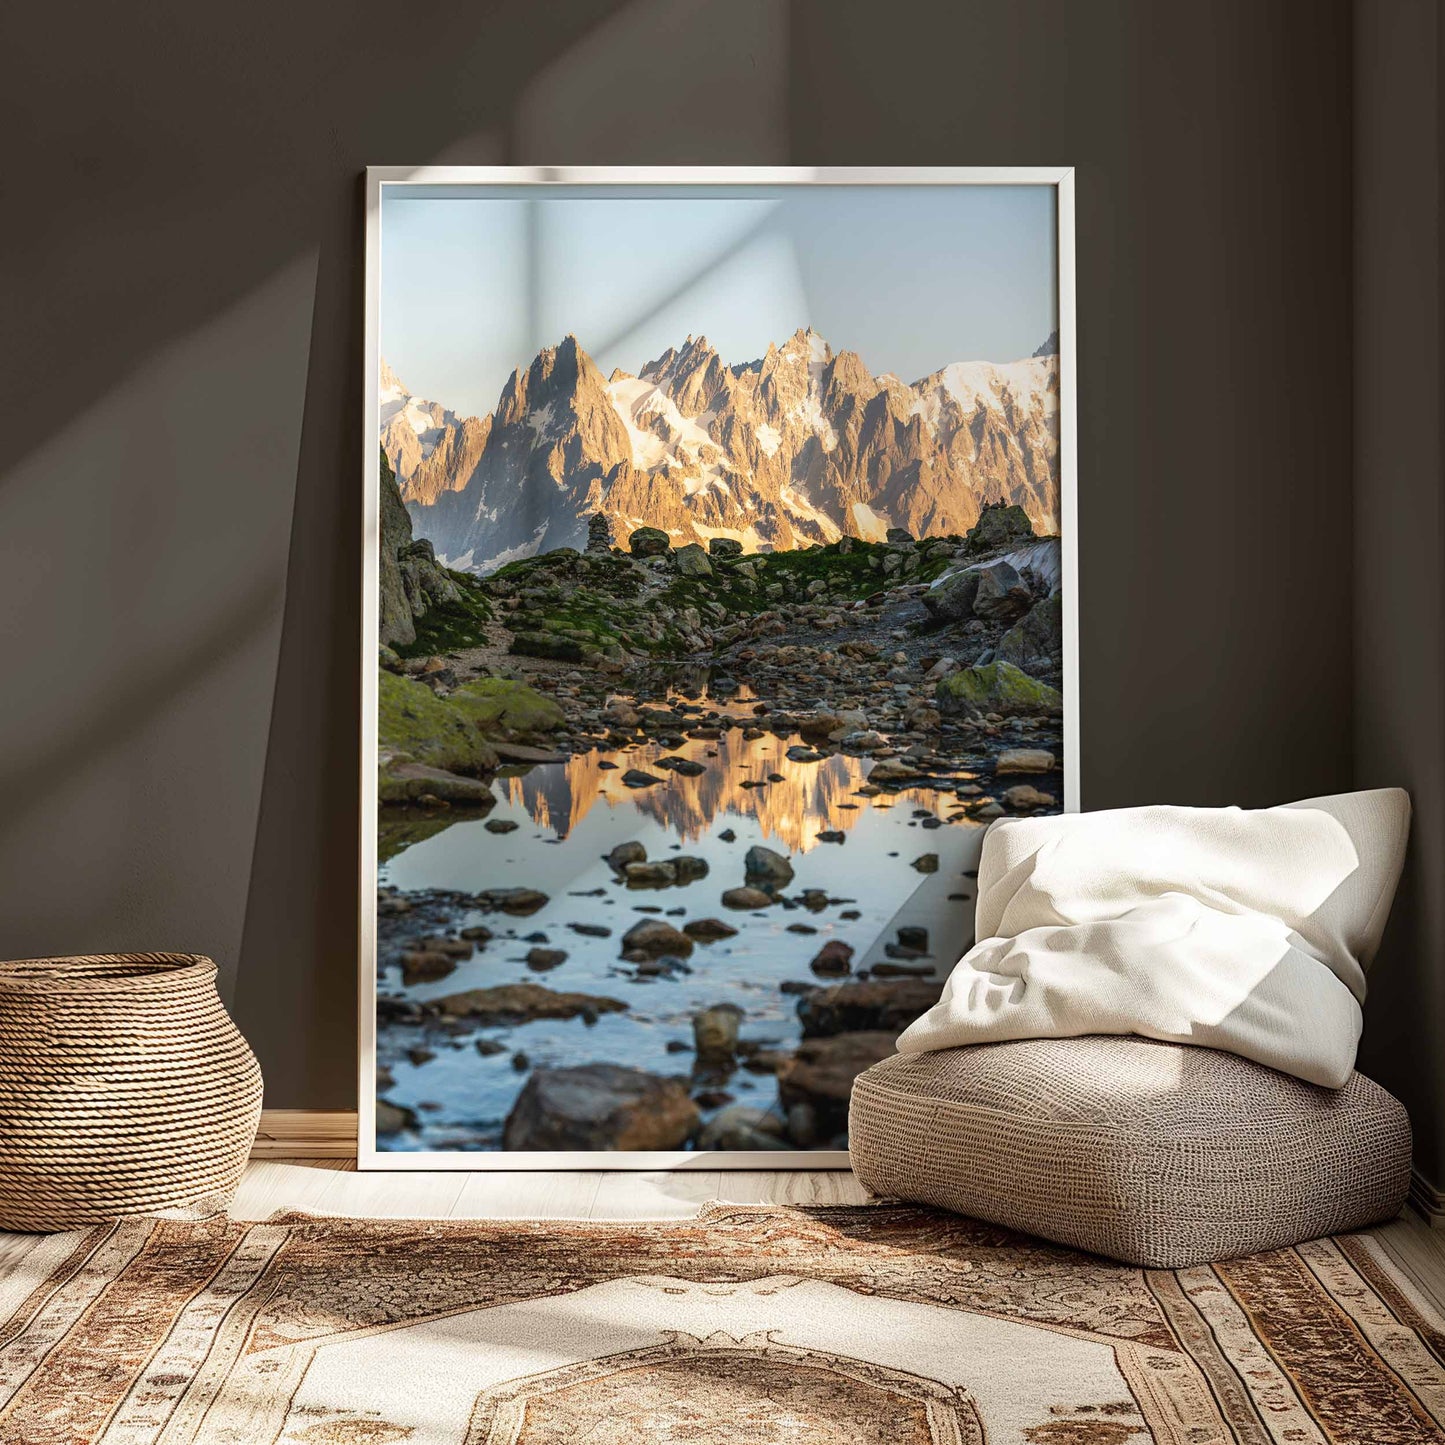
(65,973)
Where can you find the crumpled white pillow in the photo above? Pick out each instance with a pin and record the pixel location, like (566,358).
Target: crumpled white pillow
(1235,929)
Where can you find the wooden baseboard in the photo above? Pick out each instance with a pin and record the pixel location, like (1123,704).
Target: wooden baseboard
(1428,1201)
(305,1134)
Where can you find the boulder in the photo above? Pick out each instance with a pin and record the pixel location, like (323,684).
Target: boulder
(600,1106)
(1025,760)
(1002,594)
(541,959)
(406,782)
(522,1002)
(654,938)
(740,1126)
(691,561)
(925,863)
(686,766)
(715,1033)
(866,1004)
(950,599)
(821,1073)
(636,778)
(724,547)
(764,866)
(518,902)
(393,1118)
(999,525)
(995,687)
(1038,634)
(649,542)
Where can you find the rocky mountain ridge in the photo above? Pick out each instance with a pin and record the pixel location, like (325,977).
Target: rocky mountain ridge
(801,446)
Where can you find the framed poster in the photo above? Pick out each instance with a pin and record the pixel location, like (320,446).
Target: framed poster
(719,546)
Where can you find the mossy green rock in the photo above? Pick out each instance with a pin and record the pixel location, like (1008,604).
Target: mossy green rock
(649,542)
(452,732)
(996,687)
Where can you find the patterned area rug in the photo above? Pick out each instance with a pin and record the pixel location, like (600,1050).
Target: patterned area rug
(875,1325)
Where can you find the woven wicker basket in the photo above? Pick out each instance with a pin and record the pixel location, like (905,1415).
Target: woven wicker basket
(124,1089)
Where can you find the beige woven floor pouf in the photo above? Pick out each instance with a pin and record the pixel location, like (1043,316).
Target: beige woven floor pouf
(1159,1154)
(124,1089)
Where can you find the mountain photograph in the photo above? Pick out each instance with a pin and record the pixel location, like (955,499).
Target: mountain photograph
(703,665)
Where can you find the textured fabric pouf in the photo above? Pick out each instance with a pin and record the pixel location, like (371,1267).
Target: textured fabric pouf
(1159,1154)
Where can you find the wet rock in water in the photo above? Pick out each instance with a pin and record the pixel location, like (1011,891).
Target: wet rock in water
(606,765)
(1022,760)
(520,1062)
(925,863)
(393,1118)
(653,938)
(724,547)
(996,687)
(740,1126)
(591,930)
(689,867)
(821,1072)
(833,960)
(747,898)
(678,1046)
(686,766)
(1023,796)
(901,970)
(621,714)
(865,740)
(425,967)
(988,812)
(418,1057)
(692,561)
(715,1033)
(767,867)
(542,959)
(913,935)
(800,754)
(636,778)
(477,933)
(727,836)
(891,770)
(600,1106)
(649,542)
(625,853)
(523,1002)
(803,1125)
(402,782)
(707,930)
(1002,594)
(832,835)
(821,726)
(518,902)
(815,900)
(487,1047)
(659,874)
(866,1004)
(500,825)
(801,928)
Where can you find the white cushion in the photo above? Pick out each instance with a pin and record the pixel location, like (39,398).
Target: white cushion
(1243,930)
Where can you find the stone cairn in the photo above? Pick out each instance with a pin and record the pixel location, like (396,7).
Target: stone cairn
(599,534)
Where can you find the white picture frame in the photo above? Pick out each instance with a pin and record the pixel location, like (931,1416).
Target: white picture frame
(379,180)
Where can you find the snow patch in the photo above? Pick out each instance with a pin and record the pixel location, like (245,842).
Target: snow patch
(769,439)
(510,554)
(872,526)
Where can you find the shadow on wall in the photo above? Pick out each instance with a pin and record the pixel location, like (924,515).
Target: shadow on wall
(159,813)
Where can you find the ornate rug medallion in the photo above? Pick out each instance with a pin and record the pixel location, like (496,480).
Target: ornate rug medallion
(876,1325)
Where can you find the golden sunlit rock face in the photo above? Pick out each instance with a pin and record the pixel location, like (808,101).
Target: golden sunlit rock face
(811,798)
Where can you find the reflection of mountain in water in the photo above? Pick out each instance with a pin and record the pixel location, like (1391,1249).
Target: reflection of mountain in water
(809,799)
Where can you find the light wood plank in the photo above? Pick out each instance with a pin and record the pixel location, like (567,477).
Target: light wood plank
(290,1134)
(677,1194)
(530,1194)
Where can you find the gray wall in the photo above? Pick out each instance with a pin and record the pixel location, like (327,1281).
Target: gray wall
(1400,531)
(182,248)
